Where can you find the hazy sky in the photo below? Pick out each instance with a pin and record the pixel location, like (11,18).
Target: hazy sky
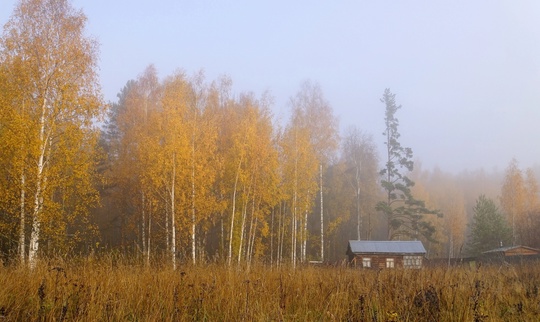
(467,73)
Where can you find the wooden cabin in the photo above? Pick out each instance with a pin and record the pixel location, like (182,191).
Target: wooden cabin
(386,254)
(510,254)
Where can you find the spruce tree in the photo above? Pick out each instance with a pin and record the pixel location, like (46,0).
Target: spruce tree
(488,228)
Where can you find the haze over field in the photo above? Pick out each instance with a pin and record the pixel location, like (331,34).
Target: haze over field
(243,163)
(466,73)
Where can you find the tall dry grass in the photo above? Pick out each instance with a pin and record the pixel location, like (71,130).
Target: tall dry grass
(112,290)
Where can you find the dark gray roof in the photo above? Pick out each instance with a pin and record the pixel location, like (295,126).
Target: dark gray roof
(395,247)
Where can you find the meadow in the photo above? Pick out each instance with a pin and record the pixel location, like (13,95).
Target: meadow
(111,289)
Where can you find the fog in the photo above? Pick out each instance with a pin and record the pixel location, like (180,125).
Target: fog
(467,73)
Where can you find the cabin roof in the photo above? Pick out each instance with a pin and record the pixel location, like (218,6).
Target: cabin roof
(509,248)
(394,247)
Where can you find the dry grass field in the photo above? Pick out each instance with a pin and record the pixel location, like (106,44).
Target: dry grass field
(112,290)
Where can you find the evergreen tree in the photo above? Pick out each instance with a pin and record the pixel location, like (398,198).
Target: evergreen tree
(404,213)
(488,229)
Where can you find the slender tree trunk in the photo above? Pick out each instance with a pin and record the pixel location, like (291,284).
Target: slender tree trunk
(193,218)
(513,224)
(231,234)
(248,244)
(272,237)
(450,247)
(36,222)
(252,242)
(281,233)
(293,222)
(242,228)
(173,224)
(252,227)
(38,194)
(22,222)
(143,224)
(293,232)
(149,238)
(358,218)
(222,237)
(304,231)
(167,230)
(322,213)
(282,222)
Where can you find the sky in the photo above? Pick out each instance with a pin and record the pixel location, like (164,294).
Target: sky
(466,73)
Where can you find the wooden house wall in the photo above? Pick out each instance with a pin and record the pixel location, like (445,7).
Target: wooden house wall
(379,260)
(520,251)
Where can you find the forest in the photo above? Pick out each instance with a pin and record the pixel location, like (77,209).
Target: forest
(185,170)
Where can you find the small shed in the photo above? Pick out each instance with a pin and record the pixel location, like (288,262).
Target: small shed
(511,253)
(386,254)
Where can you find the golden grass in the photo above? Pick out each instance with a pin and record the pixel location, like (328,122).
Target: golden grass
(90,290)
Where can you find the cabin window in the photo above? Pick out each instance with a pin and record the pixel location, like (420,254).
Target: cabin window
(389,263)
(412,261)
(366,262)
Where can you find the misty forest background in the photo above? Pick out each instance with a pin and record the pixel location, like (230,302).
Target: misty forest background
(185,169)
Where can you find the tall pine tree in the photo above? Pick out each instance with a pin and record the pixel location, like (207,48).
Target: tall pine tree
(404,213)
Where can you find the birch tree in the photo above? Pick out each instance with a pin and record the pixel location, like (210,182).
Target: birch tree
(532,208)
(443,192)
(250,177)
(202,121)
(514,199)
(532,198)
(55,70)
(316,116)
(299,174)
(234,138)
(360,156)
(520,202)
(134,121)
(176,141)
(262,170)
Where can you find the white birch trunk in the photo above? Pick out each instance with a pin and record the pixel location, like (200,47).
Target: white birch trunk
(252,226)
(272,237)
(193,217)
(281,233)
(293,222)
(231,233)
(167,230)
(304,231)
(173,225)
(293,233)
(38,198)
(143,224)
(22,221)
(251,240)
(279,236)
(148,243)
(358,217)
(242,228)
(322,214)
